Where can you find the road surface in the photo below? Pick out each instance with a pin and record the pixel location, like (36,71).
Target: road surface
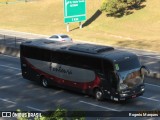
(18,93)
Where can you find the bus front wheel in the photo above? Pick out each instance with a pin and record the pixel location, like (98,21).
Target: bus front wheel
(98,94)
(44,82)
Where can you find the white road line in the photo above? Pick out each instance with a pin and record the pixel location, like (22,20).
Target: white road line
(13,43)
(152,85)
(34,108)
(148,56)
(8,101)
(152,99)
(9,56)
(5,100)
(107,108)
(10,67)
(149,63)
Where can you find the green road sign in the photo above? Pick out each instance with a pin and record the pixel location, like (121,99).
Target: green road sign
(74,10)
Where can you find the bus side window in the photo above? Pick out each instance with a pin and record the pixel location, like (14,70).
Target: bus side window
(45,55)
(86,62)
(37,53)
(61,58)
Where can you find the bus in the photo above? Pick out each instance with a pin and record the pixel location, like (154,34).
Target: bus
(95,70)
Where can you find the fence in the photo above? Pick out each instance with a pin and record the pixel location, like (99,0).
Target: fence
(11,41)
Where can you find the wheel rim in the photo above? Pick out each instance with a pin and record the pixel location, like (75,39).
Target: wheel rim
(44,82)
(98,95)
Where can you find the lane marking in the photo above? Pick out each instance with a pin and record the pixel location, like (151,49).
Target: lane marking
(142,53)
(13,43)
(152,85)
(152,99)
(149,63)
(5,100)
(157,57)
(9,56)
(33,108)
(10,67)
(107,108)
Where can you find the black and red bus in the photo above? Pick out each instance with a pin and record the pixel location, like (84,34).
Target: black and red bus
(97,70)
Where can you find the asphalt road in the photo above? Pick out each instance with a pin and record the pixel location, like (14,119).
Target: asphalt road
(18,93)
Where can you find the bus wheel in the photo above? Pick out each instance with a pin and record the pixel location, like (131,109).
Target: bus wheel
(99,94)
(44,82)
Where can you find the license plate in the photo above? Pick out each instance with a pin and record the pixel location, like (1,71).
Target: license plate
(133,96)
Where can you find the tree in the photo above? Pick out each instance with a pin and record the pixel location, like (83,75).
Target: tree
(134,3)
(114,7)
(118,8)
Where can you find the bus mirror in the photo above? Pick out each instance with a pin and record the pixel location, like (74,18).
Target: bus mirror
(144,70)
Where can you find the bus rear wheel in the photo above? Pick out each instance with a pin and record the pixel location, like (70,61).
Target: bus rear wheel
(98,94)
(44,82)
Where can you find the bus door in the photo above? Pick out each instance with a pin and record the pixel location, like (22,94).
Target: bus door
(110,82)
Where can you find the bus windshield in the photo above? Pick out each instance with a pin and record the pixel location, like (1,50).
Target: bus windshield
(129,73)
(127,64)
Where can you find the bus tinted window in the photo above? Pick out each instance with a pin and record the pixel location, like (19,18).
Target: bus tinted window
(36,53)
(76,60)
(86,62)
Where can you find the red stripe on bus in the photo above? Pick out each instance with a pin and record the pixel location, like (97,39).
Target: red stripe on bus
(84,86)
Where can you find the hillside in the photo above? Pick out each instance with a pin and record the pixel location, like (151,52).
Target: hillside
(139,30)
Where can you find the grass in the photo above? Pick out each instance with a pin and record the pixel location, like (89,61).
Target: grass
(8,0)
(138,30)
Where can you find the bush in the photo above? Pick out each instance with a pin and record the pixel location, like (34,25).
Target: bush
(118,8)
(58,114)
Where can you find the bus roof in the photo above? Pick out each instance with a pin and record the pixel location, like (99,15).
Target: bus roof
(81,48)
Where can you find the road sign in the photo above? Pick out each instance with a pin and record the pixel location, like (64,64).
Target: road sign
(74,10)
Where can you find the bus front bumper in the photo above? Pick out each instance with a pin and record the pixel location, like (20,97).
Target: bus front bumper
(132,94)
(128,94)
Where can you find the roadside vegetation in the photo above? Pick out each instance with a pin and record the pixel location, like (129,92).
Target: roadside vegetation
(118,8)
(58,114)
(140,29)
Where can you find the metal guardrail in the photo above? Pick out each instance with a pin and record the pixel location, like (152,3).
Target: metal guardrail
(11,41)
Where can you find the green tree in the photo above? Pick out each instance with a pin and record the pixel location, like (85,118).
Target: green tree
(118,8)
(58,114)
(134,3)
(114,7)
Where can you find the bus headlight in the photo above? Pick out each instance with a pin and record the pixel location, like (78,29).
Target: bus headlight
(123,95)
(122,86)
(142,89)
